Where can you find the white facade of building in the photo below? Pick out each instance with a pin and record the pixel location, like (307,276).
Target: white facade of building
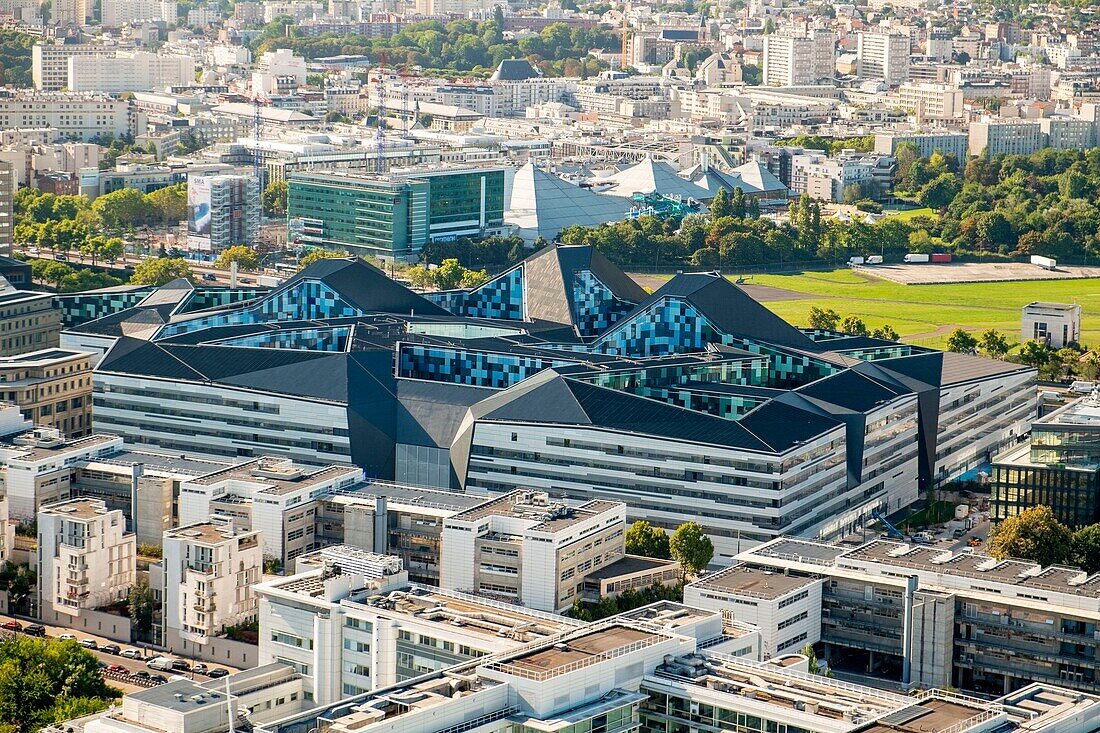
(526,549)
(137,71)
(82,115)
(1054,324)
(790,60)
(209,571)
(86,558)
(883,56)
(37,467)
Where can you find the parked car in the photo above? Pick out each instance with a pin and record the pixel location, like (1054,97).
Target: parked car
(200,668)
(158,678)
(181,666)
(974,542)
(209,277)
(161,664)
(141,674)
(11,626)
(246,281)
(131,653)
(34,630)
(1080,387)
(111,648)
(958,532)
(60,257)
(89,643)
(217,672)
(117,669)
(67,637)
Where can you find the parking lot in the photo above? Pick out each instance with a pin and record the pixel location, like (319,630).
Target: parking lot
(127,667)
(972,272)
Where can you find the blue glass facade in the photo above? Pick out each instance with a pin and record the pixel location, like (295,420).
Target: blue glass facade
(308,300)
(500,298)
(305,339)
(668,326)
(462,366)
(595,307)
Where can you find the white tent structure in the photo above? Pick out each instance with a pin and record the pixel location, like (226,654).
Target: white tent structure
(654,176)
(542,204)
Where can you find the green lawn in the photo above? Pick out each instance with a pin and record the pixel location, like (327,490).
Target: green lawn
(914,213)
(925,314)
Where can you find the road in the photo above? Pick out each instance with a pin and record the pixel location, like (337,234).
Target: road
(132,665)
(221,277)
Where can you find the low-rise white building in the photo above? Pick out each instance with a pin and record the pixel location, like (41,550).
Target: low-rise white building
(1054,324)
(526,549)
(274,496)
(86,558)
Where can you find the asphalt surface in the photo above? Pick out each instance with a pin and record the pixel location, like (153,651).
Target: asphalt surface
(131,665)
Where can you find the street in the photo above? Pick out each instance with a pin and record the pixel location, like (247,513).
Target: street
(132,665)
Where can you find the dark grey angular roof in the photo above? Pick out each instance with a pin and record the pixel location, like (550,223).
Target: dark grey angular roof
(550,398)
(430,413)
(731,309)
(515,70)
(366,287)
(852,390)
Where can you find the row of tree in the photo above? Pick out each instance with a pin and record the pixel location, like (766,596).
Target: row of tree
(1036,534)
(459,46)
(688,545)
(1054,365)
(827,319)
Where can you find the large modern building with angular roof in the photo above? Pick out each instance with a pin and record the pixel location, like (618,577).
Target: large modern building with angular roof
(562,375)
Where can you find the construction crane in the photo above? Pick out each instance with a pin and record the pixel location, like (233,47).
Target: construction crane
(380,135)
(625,36)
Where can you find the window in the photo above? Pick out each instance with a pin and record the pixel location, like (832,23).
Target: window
(280,637)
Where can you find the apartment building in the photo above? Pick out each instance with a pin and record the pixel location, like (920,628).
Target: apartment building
(351,631)
(825,178)
(883,55)
(209,570)
(50,62)
(273,496)
(929,101)
(53,387)
(1058,467)
(523,548)
(8,186)
(117,13)
(29,321)
(77,115)
(1005,136)
(933,617)
(944,142)
(86,559)
(792,59)
(128,71)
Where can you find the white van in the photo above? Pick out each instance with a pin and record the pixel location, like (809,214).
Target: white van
(161,664)
(1082,387)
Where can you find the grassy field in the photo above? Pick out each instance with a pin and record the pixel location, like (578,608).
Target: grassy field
(925,314)
(914,213)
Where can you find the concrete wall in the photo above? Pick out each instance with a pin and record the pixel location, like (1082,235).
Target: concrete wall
(216,650)
(115,628)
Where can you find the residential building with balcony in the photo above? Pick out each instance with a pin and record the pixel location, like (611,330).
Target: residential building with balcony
(209,570)
(86,559)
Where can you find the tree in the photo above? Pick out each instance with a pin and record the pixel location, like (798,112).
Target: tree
(1033,353)
(124,208)
(157,271)
(737,203)
(906,154)
(644,539)
(140,600)
(17,581)
(245,257)
(1033,534)
(169,204)
(824,319)
(274,198)
(854,325)
(994,343)
(720,204)
(316,255)
(887,333)
(962,342)
(691,548)
(1086,548)
(812,665)
(852,193)
(940,191)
